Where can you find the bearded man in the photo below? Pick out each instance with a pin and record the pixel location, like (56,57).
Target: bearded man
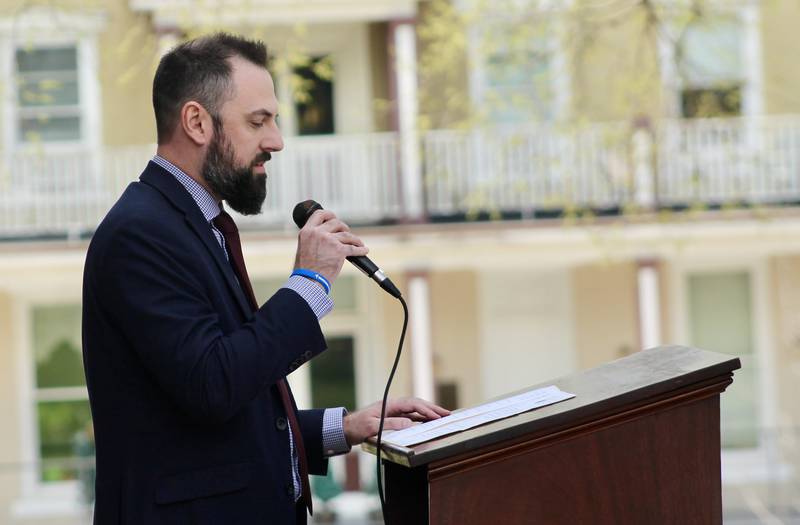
(193,419)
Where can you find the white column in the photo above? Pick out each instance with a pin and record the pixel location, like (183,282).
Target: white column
(649,305)
(420,333)
(405,54)
(643,167)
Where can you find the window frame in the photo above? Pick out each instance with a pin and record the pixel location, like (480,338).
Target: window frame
(560,77)
(38,498)
(51,27)
(740,466)
(748,17)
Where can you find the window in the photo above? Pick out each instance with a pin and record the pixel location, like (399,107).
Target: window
(48,95)
(721,320)
(518,78)
(518,74)
(313,96)
(711,60)
(514,74)
(333,377)
(710,64)
(62,406)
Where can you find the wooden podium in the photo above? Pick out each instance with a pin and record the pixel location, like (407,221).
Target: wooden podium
(639,444)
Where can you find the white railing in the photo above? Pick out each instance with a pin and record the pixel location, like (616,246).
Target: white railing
(526,168)
(356,175)
(44,193)
(521,170)
(719,161)
(66,192)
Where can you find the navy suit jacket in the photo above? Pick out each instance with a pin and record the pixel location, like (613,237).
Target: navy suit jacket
(189,425)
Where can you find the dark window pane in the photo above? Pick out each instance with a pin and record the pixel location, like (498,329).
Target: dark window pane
(46,128)
(47,59)
(64,429)
(447,395)
(720,313)
(709,103)
(57,346)
(333,378)
(314,97)
(48,91)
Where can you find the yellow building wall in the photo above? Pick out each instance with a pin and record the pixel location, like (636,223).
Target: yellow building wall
(455,327)
(128,52)
(780,49)
(614,63)
(606,315)
(442,68)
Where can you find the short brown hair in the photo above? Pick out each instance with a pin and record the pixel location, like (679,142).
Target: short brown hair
(199,70)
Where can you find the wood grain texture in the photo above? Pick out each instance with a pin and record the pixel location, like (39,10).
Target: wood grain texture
(664,468)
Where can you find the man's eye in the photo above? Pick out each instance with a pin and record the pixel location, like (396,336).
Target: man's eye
(257,124)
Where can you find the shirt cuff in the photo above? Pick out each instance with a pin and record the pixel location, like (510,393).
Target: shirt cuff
(333,440)
(313,294)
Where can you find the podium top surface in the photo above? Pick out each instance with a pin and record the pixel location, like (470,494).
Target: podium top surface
(600,390)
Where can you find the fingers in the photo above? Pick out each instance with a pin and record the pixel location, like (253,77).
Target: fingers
(349,238)
(410,405)
(319,217)
(334,225)
(414,416)
(327,221)
(396,423)
(324,242)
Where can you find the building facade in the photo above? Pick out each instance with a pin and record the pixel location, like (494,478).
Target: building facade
(553,185)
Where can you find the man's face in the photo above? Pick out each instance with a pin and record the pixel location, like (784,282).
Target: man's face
(245,134)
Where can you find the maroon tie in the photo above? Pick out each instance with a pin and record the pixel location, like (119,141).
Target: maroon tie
(225,224)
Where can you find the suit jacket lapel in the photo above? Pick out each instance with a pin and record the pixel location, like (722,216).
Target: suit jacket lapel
(159,178)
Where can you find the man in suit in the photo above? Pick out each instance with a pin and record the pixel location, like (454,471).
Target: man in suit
(193,420)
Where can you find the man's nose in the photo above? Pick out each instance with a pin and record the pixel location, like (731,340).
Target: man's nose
(273,141)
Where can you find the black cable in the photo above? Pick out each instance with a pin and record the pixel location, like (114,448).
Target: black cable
(383,405)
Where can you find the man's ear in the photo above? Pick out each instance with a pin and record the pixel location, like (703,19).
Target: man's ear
(196,123)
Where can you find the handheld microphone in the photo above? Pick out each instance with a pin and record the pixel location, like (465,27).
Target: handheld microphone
(303,211)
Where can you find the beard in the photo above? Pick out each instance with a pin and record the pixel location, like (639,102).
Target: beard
(243,190)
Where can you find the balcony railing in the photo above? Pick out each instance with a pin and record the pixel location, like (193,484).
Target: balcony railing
(521,170)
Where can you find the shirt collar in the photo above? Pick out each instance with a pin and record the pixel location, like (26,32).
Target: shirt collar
(204,200)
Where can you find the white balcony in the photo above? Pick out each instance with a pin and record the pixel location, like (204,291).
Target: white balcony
(204,13)
(522,171)
(68,193)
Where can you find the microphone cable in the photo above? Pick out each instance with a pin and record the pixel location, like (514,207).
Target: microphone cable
(383,405)
(302,211)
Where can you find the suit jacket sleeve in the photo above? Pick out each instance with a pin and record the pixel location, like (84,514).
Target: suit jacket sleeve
(310,422)
(154,289)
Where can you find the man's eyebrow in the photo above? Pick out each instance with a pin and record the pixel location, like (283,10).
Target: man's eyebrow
(262,113)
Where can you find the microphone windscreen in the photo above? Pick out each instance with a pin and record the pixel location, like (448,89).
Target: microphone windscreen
(303,211)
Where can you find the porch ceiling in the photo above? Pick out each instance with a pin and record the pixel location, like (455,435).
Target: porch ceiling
(194,13)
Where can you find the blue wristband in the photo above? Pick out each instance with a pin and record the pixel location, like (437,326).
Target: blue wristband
(315,277)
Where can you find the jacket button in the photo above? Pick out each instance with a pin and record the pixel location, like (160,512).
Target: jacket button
(280,423)
(290,490)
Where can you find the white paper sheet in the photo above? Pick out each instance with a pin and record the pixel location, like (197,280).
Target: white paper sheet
(472,417)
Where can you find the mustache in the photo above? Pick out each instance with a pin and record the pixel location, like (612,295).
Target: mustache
(262,158)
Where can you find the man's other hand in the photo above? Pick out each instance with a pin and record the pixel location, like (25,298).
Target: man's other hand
(400,413)
(324,243)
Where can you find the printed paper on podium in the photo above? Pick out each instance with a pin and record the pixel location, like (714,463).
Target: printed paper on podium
(472,417)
